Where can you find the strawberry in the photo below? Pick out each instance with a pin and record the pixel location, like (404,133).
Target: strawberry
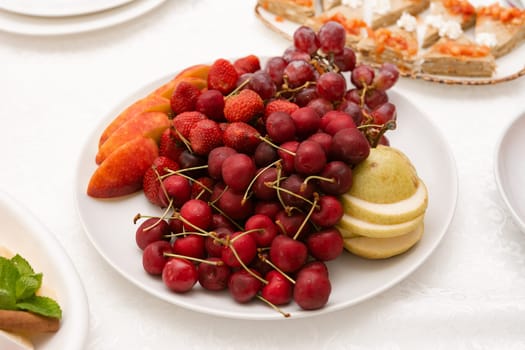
(222,76)
(248,64)
(184,122)
(151,180)
(280,105)
(241,137)
(243,107)
(205,136)
(168,145)
(184,97)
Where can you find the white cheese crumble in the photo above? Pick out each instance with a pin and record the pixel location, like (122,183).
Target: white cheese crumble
(353,3)
(381,6)
(435,21)
(407,22)
(487,39)
(450,29)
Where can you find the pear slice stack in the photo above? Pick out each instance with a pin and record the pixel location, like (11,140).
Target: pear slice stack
(385,208)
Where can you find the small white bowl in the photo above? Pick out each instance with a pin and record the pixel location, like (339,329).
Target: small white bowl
(22,233)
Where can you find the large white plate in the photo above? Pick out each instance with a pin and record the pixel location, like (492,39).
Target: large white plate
(22,233)
(108,223)
(59,8)
(46,26)
(509,166)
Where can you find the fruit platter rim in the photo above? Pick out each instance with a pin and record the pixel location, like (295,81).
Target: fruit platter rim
(101,220)
(433,78)
(24,234)
(505,165)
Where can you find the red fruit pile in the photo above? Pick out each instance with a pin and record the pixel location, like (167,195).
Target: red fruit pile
(250,172)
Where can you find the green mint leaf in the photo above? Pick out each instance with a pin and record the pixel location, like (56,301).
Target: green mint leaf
(41,305)
(27,285)
(23,267)
(7,300)
(8,277)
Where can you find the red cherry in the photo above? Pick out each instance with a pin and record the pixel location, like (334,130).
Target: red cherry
(153,259)
(243,286)
(214,276)
(288,254)
(245,247)
(179,275)
(312,289)
(279,289)
(326,244)
(151,230)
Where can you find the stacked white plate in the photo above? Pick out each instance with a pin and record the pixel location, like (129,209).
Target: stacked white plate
(59,17)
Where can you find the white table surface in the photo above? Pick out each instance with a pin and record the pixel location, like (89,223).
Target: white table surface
(470,294)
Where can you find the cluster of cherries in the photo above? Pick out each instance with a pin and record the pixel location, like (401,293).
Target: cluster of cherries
(261,222)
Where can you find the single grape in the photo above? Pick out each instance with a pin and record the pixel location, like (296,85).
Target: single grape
(386,77)
(332,37)
(305,40)
(384,113)
(275,67)
(261,82)
(331,86)
(362,75)
(298,72)
(345,60)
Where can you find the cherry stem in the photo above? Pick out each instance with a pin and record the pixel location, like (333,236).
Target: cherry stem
(245,197)
(273,306)
(265,260)
(235,223)
(204,261)
(162,217)
(279,189)
(314,205)
(245,233)
(264,139)
(177,215)
(185,233)
(244,265)
(183,170)
(184,140)
(239,88)
(314,177)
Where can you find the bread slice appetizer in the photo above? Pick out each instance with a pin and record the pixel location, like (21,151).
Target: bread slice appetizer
(329,4)
(442,11)
(458,57)
(387,12)
(397,44)
(501,28)
(351,18)
(294,10)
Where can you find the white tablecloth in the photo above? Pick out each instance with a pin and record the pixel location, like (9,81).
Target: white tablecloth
(470,294)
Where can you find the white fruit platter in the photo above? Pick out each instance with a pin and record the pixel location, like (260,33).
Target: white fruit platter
(109,224)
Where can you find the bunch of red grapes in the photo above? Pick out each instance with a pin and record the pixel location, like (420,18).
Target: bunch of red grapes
(260,221)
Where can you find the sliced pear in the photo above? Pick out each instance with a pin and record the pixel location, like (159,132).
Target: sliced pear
(369,229)
(382,248)
(386,176)
(387,213)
